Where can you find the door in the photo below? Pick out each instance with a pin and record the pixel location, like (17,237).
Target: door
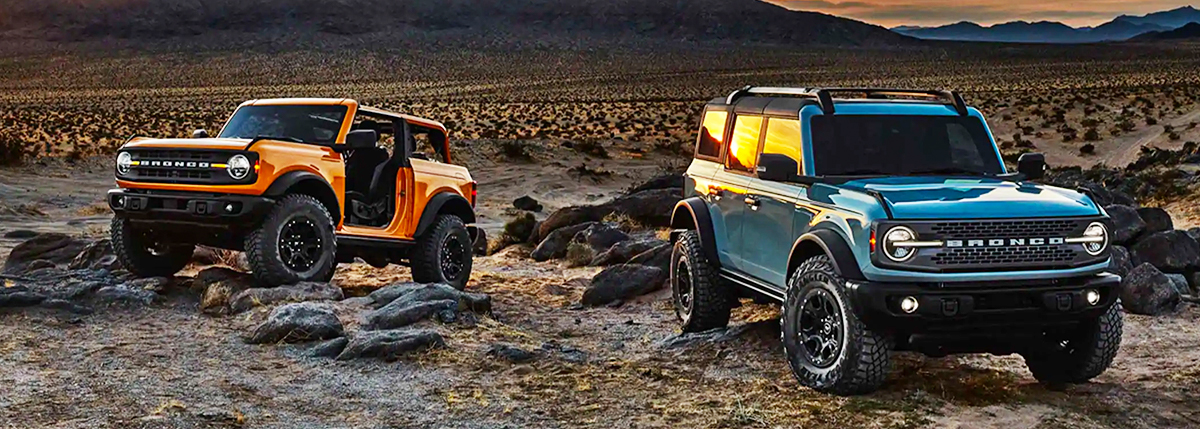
(731,183)
(772,209)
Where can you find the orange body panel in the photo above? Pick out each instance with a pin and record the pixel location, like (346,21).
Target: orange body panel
(415,185)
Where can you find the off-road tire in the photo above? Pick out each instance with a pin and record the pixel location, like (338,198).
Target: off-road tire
(863,359)
(427,256)
(263,250)
(694,280)
(133,251)
(1087,354)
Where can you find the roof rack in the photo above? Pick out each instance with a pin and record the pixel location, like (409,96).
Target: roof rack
(824,96)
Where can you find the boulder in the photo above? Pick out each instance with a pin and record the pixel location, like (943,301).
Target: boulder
(1180,283)
(304,291)
(382,296)
(56,248)
(19,296)
(718,335)
(39,267)
(1157,220)
(407,293)
(621,282)
(401,313)
(665,181)
(479,247)
(20,234)
(659,257)
(96,255)
(1148,291)
(1169,251)
(329,348)
(299,322)
(555,244)
(600,236)
(1127,224)
(390,345)
(1194,284)
(125,293)
(1194,233)
(527,203)
(219,286)
(510,353)
(650,207)
(622,252)
(1121,261)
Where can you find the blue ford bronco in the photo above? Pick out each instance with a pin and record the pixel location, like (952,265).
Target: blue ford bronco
(885,220)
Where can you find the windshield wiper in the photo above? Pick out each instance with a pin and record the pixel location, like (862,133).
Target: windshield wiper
(950,171)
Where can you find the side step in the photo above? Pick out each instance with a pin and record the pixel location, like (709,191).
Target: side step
(769,290)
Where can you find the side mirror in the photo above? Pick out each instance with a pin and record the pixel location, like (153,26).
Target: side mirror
(362,139)
(1032,166)
(200,134)
(777,168)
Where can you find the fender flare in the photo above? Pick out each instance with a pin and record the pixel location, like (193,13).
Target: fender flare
(834,246)
(453,203)
(328,197)
(694,212)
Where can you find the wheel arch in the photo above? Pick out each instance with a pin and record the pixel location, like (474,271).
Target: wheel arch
(445,203)
(824,239)
(311,184)
(692,214)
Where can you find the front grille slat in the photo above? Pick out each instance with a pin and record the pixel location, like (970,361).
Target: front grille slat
(1005,229)
(179,166)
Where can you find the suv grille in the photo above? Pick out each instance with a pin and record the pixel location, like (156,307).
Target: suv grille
(1050,255)
(195,166)
(1000,229)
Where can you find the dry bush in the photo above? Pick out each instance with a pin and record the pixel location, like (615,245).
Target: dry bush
(579,254)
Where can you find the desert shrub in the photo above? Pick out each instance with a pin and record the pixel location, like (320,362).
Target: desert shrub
(1174,136)
(1091,135)
(1087,149)
(579,254)
(591,147)
(515,149)
(11,152)
(1151,121)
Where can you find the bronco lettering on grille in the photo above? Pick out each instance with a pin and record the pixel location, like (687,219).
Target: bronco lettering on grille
(1011,242)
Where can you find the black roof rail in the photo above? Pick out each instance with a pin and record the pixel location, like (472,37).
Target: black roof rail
(949,97)
(825,101)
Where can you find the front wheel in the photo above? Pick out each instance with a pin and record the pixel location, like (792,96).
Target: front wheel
(143,254)
(295,243)
(443,254)
(1081,355)
(827,347)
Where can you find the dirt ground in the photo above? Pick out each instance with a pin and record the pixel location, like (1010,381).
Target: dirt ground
(168,365)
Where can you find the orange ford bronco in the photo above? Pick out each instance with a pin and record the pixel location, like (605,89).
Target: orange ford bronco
(300,185)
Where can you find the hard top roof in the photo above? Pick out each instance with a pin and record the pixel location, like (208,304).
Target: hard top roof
(789,101)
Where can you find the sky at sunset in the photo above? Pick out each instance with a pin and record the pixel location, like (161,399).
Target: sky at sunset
(890,13)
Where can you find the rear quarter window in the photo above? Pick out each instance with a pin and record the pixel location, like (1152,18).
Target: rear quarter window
(712,135)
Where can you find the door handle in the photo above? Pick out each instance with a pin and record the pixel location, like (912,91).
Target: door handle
(753,203)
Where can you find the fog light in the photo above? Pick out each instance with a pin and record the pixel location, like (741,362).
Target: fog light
(909,304)
(119,201)
(229,208)
(1092,296)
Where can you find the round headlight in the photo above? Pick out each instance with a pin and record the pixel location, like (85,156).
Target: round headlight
(894,236)
(1099,235)
(124,163)
(238,167)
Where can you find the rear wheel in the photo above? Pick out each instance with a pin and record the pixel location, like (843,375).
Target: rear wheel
(143,254)
(443,254)
(700,298)
(827,347)
(295,243)
(1081,355)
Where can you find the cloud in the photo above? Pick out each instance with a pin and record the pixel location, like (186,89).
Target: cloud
(937,12)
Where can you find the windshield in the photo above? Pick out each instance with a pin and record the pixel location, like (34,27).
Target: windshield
(308,124)
(902,145)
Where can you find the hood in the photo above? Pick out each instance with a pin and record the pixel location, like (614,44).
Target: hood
(974,198)
(227,144)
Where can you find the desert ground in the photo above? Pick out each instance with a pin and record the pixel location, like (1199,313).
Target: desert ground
(523,117)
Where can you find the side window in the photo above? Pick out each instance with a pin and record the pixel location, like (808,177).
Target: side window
(712,134)
(784,138)
(743,145)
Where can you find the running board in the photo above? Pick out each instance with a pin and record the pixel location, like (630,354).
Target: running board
(372,242)
(753,284)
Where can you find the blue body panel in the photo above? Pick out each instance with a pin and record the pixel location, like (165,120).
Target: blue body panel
(757,241)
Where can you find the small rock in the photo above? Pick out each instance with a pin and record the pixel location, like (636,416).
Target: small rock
(329,348)
(480,246)
(1180,282)
(1146,290)
(153,284)
(1169,251)
(622,252)
(556,243)
(600,236)
(566,352)
(390,345)
(1121,262)
(1194,233)
(665,181)
(382,296)
(64,305)
(415,292)
(59,249)
(659,257)
(621,282)
(96,255)
(219,286)
(204,255)
(1157,220)
(38,265)
(1127,224)
(299,322)
(718,335)
(19,296)
(527,203)
(20,234)
(304,291)
(124,293)
(509,353)
(401,313)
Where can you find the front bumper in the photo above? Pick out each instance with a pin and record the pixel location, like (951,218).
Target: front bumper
(983,309)
(188,208)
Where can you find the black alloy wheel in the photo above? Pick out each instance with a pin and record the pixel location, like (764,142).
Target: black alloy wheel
(821,331)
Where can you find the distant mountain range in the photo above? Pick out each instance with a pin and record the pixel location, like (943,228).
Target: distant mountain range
(1189,31)
(1123,27)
